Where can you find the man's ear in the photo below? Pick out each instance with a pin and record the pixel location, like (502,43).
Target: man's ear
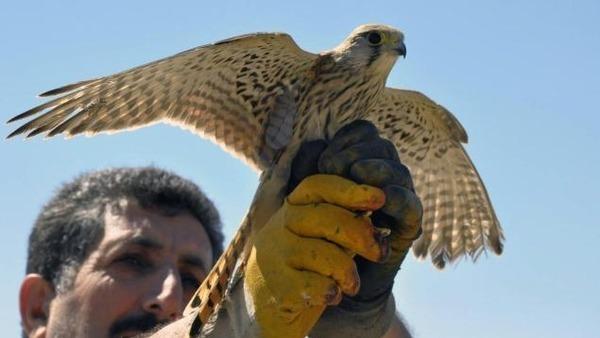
(34,303)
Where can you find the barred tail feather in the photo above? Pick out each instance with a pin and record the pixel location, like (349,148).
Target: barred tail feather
(210,294)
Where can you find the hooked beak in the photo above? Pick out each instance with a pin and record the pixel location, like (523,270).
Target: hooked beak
(401,49)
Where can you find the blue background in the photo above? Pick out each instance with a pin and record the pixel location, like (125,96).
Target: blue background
(522,77)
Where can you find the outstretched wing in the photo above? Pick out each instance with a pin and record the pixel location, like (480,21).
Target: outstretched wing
(458,215)
(221,91)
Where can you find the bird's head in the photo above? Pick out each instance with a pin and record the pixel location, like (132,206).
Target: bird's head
(372,48)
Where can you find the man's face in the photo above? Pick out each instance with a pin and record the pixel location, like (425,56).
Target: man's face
(142,273)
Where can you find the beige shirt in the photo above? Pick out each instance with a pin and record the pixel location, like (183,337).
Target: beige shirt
(236,320)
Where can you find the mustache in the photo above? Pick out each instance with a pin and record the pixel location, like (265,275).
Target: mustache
(142,322)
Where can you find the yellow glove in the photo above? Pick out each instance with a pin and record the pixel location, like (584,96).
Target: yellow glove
(302,259)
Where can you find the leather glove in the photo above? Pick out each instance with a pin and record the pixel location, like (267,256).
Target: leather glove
(302,259)
(359,153)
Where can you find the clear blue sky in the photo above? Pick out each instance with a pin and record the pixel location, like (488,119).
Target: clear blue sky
(523,77)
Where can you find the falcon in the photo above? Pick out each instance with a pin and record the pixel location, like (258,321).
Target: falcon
(260,96)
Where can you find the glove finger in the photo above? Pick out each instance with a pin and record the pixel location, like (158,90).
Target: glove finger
(305,162)
(328,260)
(337,225)
(336,190)
(380,173)
(355,132)
(307,288)
(405,207)
(339,162)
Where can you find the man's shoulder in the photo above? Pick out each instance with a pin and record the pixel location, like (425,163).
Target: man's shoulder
(178,328)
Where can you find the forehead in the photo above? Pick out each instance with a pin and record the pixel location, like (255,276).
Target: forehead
(379,28)
(179,234)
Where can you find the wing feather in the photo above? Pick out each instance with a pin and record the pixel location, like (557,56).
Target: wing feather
(221,91)
(458,215)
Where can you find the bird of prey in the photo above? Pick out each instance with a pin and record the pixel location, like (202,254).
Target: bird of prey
(259,96)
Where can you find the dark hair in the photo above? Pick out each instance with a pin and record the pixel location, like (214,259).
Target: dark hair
(71,224)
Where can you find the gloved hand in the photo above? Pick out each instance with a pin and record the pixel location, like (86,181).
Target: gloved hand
(302,259)
(359,153)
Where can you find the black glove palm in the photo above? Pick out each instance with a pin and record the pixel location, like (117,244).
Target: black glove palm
(358,152)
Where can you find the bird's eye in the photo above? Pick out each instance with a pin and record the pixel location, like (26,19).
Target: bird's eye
(374,38)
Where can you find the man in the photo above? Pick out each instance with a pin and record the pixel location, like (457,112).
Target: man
(117,252)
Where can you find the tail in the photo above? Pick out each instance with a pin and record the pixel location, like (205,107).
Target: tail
(211,293)
(209,296)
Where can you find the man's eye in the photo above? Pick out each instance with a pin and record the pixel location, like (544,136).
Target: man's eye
(189,281)
(135,261)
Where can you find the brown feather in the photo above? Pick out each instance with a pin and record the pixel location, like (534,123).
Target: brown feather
(458,215)
(218,90)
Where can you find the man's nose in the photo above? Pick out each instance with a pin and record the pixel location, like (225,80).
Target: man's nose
(165,300)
